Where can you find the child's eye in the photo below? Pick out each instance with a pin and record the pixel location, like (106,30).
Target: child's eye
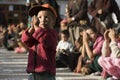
(46,16)
(39,16)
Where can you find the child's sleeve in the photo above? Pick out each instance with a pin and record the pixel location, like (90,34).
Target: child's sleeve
(105,49)
(115,50)
(27,39)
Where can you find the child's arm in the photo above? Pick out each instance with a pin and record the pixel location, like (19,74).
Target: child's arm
(105,47)
(57,48)
(87,47)
(28,39)
(27,36)
(114,49)
(113,45)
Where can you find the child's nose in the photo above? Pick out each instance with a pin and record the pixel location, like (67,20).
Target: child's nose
(43,18)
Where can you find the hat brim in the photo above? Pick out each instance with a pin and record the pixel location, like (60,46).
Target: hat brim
(36,8)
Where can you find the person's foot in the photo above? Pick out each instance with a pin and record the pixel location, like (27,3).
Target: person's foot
(104,74)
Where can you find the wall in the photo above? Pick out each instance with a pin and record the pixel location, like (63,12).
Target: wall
(62,5)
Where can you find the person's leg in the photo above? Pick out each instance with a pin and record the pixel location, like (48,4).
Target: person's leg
(72,61)
(30,76)
(61,60)
(108,64)
(71,32)
(76,33)
(115,72)
(102,63)
(43,76)
(98,68)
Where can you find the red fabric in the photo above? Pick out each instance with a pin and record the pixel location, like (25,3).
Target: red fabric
(46,41)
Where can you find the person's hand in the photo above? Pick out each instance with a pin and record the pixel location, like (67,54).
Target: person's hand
(35,21)
(77,44)
(106,35)
(77,69)
(32,28)
(69,20)
(100,11)
(85,37)
(112,34)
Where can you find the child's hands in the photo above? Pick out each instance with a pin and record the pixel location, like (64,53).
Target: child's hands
(85,37)
(31,29)
(34,24)
(69,20)
(35,21)
(77,69)
(112,34)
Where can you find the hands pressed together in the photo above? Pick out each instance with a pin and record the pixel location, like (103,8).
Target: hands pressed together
(34,24)
(109,35)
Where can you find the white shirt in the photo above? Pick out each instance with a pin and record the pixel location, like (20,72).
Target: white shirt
(66,45)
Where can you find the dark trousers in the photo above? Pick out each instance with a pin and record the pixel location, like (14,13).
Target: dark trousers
(73,60)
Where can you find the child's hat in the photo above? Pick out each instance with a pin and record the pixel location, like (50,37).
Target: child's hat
(36,8)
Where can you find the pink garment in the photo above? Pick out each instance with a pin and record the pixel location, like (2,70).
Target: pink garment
(110,65)
(20,50)
(98,44)
(45,40)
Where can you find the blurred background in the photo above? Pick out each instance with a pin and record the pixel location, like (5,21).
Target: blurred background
(15,11)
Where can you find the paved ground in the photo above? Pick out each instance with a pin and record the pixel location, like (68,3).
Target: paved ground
(12,67)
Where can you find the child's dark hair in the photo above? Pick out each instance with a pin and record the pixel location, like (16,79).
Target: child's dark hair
(92,28)
(82,28)
(65,32)
(86,27)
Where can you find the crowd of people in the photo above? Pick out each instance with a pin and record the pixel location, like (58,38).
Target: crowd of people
(84,45)
(95,40)
(11,37)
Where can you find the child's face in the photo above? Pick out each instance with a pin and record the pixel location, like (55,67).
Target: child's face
(91,34)
(46,19)
(64,37)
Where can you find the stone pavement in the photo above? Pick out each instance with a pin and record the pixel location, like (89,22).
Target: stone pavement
(12,67)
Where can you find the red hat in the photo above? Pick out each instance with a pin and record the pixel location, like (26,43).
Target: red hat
(36,8)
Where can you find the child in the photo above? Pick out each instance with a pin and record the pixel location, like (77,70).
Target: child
(64,44)
(64,48)
(110,59)
(91,50)
(41,39)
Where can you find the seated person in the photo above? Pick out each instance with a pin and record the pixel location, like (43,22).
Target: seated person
(91,51)
(110,59)
(64,47)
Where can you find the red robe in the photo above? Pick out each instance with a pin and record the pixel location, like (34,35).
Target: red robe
(46,41)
